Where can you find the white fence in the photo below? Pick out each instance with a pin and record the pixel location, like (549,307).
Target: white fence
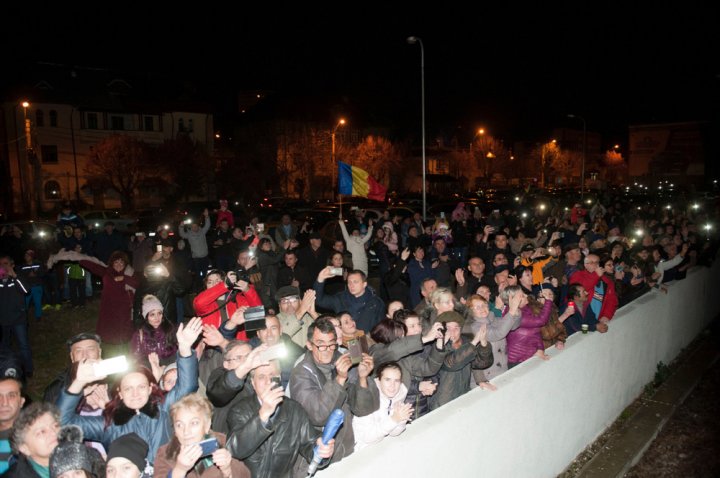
(544,413)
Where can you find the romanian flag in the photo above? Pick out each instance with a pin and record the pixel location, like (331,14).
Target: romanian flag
(353,181)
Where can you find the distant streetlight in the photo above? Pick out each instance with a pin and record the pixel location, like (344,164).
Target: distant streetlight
(479,132)
(412,41)
(582,172)
(339,123)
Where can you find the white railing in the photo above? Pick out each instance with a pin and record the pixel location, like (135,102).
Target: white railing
(544,413)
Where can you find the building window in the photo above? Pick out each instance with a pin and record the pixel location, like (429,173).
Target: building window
(53,118)
(52,190)
(49,154)
(181,125)
(92,121)
(117,122)
(149,123)
(39,118)
(190,125)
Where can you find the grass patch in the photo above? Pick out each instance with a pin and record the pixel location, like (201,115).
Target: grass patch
(47,340)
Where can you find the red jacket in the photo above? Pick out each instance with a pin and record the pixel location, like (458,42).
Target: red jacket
(589,280)
(207,301)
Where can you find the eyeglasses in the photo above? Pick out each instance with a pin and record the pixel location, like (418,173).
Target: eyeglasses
(287,300)
(324,347)
(592,262)
(235,359)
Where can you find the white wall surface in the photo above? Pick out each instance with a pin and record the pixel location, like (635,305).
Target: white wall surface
(544,413)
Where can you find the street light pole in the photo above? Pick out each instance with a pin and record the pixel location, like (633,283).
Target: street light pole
(582,172)
(412,41)
(332,135)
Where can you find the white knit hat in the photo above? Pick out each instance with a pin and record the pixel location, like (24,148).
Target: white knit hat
(150,303)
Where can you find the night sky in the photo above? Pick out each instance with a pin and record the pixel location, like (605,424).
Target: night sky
(516,71)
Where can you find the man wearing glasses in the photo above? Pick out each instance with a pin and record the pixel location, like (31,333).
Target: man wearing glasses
(296,315)
(325,380)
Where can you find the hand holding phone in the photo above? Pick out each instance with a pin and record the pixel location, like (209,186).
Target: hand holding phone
(110,366)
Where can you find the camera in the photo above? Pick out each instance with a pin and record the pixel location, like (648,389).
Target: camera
(260,227)
(561,235)
(275,382)
(336,271)
(242,275)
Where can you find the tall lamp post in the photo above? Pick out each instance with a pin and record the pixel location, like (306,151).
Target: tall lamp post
(339,123)
(412,41)
(582,171)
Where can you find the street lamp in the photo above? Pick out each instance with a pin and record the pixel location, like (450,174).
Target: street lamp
(582,172)
(412,41)
(340,123)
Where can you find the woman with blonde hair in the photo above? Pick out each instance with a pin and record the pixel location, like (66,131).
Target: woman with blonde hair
(184,456)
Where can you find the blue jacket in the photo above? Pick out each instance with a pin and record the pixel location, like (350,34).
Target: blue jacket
(367,310)
(155,431)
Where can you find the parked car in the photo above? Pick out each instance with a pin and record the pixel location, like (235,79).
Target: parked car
(97,220)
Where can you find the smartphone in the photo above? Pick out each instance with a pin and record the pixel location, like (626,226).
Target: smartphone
(619,268)
(355,350)
(158,248)
(260,227)
(444,327)
(336,271)
(139,234)
(274,352)
(561,235)
(110,366)
(276,382)
(209,445)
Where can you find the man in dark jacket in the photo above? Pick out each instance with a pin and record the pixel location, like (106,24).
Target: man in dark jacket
(269,431)
(325,380)
(358,299)
(13,316)
(107,241)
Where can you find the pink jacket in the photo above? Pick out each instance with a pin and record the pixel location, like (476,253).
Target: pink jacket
(523,342)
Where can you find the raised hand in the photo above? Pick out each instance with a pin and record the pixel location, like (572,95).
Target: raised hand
(434,333)
(187,334)
(401,412)
(270,399)
(460,276)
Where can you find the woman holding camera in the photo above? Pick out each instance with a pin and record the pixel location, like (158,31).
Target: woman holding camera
(194,450)
(223,297)
(137,404)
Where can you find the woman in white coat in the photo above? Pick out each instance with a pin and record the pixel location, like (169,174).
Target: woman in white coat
(393,414)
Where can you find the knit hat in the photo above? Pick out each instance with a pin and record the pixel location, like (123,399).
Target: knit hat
(150,303)
(451,316)
(131,447)
(72,454)
(168,368)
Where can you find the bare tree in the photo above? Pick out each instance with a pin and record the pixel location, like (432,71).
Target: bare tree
(122,163)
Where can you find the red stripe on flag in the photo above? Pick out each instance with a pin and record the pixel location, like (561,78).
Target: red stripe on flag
(377,191)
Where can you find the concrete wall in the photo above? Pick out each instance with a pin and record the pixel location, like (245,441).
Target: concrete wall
(544,413)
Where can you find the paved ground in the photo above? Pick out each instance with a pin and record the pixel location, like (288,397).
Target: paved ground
(672,430)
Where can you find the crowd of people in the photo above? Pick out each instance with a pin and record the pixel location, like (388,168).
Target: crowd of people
(240,344)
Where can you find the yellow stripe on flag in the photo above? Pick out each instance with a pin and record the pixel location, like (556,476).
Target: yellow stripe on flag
(360,184)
